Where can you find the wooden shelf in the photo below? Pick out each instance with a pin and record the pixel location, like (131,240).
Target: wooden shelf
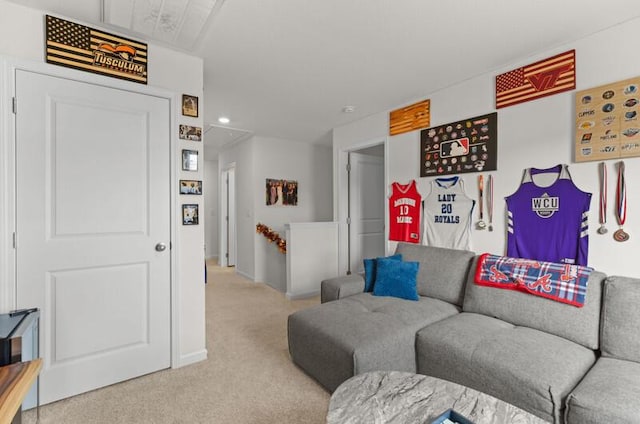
(15,382)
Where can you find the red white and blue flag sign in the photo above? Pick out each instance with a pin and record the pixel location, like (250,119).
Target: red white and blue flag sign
(544,78)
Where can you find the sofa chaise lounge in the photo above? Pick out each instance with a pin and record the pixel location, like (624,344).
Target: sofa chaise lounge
(540,355)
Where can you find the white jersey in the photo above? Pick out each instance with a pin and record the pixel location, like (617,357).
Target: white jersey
(447,212)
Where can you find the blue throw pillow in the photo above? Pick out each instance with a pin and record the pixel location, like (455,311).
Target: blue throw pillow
(370,271)
(397,279)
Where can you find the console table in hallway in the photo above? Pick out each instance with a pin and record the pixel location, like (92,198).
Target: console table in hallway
(393,397)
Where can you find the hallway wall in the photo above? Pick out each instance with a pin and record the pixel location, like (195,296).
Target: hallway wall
(210,193)
(257,159)
(538,133)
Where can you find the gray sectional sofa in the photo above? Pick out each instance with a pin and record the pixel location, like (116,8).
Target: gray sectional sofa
(556,361)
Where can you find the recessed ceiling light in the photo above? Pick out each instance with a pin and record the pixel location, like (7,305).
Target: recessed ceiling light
(223,120)
(348,109)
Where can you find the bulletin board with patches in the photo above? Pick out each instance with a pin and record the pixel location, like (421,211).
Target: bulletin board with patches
(607,125)
(470,145)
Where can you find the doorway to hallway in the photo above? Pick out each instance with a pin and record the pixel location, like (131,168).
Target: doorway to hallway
(366,206)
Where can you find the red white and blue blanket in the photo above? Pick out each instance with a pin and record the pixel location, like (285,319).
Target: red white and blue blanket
(560,282)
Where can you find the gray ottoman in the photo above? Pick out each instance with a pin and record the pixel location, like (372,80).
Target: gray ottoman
(361,332)
(337,340)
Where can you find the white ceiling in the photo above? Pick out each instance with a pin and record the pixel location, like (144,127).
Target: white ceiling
(176,22)
(286,68)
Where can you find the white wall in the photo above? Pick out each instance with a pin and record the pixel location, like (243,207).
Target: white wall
(22,37)
(310,166)
(257,159)
(539,133)
(241,155)
(210,193)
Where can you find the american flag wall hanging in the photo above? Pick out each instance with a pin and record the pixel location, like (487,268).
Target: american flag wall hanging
(87,49)
(544,78)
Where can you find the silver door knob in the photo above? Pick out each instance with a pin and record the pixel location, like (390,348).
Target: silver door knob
(160,247)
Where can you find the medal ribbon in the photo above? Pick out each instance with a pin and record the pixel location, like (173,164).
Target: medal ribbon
(621,196)
(490,198)
(603,193)
(481,187)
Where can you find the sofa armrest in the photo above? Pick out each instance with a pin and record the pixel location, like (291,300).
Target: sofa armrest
(340,287)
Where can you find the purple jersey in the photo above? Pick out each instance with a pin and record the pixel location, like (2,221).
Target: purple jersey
(549,223)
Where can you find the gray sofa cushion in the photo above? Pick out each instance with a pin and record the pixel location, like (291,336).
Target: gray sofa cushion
(591,403)
(360,333)
(522,366)
(442,272)
(339,287)
(621,318)
(581,325)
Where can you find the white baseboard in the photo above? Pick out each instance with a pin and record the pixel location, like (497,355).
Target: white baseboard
(211,257)
(296,296)
(245,275)
(192,358)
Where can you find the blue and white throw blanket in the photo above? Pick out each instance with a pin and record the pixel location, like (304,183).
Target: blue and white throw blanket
(560,282)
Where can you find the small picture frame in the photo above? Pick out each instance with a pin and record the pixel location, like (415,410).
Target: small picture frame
(190,187)
(189,105)
(190,214)
(189,160)
(187,132)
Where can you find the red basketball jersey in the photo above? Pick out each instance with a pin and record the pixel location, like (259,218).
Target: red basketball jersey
(405,206)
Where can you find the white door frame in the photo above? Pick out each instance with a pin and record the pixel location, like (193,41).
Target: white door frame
(8,282)
(355,208)
(224,233)
(341,197)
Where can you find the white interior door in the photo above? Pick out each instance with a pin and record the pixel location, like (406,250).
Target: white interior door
(366,207)
(231,216)
(93,181)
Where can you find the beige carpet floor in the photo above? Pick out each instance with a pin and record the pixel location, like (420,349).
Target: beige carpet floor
(247,378)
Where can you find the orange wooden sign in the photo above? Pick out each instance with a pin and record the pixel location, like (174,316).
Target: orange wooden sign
(409,118)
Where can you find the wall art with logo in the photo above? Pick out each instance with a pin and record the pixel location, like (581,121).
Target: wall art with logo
(281,192)
(87,49)
(470,145)
(543,78)
(187,132)
(607,125)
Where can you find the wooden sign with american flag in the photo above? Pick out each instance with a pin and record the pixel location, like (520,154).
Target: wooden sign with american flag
(544,78)
(409,118)
(87,49)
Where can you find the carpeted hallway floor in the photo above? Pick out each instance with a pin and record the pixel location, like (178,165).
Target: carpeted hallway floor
(248,377)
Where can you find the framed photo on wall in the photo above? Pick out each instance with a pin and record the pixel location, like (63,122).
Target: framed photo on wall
(281,192)
(189,214)
(190,187)
(189,105)
(187,132)
(189,160)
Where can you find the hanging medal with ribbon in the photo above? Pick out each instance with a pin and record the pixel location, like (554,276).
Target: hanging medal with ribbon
(603,198)
(621,203)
